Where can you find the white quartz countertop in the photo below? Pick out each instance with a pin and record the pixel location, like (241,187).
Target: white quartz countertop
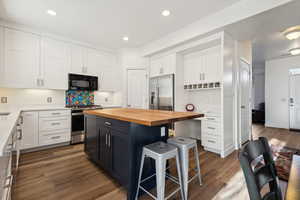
(7,123)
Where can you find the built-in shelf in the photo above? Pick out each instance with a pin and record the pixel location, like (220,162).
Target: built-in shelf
(203,86)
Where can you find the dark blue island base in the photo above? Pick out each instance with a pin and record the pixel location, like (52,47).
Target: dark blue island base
(116,147)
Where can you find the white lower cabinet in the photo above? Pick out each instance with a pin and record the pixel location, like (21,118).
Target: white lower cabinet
(42,128)
(30,131)
(9,164)
(211,134)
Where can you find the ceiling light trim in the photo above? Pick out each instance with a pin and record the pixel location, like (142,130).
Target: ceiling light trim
(292,33)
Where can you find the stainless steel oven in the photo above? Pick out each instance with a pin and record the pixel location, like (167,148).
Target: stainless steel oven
(77,127)
(78,134)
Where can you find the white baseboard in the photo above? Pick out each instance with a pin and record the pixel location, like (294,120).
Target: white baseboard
(276,125)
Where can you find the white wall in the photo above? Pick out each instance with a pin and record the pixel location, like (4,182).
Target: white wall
(258,86)
(277,90)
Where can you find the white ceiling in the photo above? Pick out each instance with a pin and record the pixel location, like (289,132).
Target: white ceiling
(105,22)
(265,32)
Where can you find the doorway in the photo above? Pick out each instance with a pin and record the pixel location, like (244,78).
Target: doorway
(137,88)
(244,102)
(294,100)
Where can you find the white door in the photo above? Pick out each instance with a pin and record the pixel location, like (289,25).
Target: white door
(294,101)
(30,134)
(56,64)
(137,88)
(245,123)
(21,59)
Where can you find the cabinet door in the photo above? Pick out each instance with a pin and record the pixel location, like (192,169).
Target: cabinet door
(21,59)
(1,56)
(93,62)
(212,65)
(56,64)
(156,67)
(77,59)
(120,143)
(110,80)
(30,133)
(169,64)
(91,143)
(105,151)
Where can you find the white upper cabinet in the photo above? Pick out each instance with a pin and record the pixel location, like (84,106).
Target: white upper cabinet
(77,59)
(21,67)
(163,65)
(203,66)
(31,61)
(93,62)
(1,56)
(56,64)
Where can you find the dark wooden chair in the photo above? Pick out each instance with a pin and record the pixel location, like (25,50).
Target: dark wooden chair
(259,170)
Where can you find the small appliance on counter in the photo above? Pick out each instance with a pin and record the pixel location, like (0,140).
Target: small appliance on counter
(79,101)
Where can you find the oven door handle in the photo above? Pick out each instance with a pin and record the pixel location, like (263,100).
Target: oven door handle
(77,114)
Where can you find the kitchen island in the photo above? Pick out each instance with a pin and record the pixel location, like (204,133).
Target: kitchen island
(115,137)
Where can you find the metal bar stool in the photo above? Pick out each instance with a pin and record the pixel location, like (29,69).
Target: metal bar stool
(160,152)
(184,145)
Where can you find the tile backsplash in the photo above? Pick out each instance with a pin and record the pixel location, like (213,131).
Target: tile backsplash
(74,97)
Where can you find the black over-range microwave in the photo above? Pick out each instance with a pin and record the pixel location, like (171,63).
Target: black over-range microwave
(83,82)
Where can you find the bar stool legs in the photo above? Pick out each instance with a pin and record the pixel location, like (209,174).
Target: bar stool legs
(161,156)
(184,145)
(198,164)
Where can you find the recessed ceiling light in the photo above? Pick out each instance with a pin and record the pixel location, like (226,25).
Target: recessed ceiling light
(165,13)
(292,33)
(295,51)
(51,12)
(125,38)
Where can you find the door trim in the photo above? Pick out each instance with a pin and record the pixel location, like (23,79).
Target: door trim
(239,135)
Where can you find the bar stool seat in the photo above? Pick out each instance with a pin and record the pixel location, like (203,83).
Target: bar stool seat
(184,145)
(160,152)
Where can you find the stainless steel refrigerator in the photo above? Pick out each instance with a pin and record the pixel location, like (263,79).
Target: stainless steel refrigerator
(162,92)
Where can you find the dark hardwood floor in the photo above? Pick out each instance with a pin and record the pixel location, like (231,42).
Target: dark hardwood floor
(65,173)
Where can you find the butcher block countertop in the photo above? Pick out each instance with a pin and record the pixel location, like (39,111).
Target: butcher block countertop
(144,116)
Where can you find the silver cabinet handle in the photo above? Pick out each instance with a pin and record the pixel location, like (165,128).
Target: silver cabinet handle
(211,141)
(20,134)
(208,118)
(105,139)
(38,82)
(55,137)
(243,107)
(56,123)
(212,128)
(57,113)
(107,123)
(109,140)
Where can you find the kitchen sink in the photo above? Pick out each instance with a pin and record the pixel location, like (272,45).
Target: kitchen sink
(4,113)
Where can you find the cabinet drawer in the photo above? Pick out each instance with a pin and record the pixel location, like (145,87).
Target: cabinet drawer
(57,123)
(114,124)
(48,138)
(54,113)
(211,142)
(211,119)
(211,128)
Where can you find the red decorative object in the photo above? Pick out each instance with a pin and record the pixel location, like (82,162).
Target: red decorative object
(190,107)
